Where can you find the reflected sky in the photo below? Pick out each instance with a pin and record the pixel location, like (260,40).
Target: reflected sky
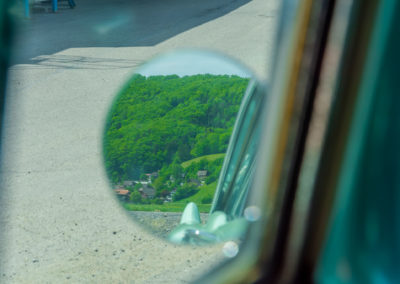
(192,62)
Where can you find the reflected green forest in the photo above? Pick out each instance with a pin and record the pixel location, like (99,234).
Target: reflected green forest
(166,138)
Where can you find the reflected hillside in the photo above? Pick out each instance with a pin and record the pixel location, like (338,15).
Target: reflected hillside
(166,136)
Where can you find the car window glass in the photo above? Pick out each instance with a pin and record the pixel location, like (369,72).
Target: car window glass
(60,222)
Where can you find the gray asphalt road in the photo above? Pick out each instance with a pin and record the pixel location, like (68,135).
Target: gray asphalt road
(59,220)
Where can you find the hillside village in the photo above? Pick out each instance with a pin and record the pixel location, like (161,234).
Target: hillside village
(126,190)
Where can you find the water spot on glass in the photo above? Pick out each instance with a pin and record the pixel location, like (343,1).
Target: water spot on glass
(252,213)
(113,24)
(230,249)
(343,270)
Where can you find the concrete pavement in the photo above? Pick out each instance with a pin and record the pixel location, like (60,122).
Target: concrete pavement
(60,222)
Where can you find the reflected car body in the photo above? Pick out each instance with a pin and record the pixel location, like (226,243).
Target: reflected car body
(227,220)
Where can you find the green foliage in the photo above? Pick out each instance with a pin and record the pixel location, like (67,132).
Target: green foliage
(158,201)
(185,180)
(204,192)
(211,178)
(162,120)
(130,188)
(185,191)
(135,197)
(213,168)
(167,207)
(145,201)
(206,200)
(203,199)
(211,158)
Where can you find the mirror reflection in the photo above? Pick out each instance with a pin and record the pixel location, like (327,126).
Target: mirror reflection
(166,139)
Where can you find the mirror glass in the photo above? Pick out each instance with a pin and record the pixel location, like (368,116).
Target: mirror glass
(166,138)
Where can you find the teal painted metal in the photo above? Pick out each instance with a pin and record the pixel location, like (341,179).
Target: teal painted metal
(364,241)
(239,164)
(217,228)
(71,3)
(26,8)
(54,5)
(191,215)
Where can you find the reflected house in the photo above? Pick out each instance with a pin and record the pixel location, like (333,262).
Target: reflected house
(147,191)
(148,178)
(128,183)
(122,194)
(183,175)
(195,182)
(168,198)
(202,175)
(152,176)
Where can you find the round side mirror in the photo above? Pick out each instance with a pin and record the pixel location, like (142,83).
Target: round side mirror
(169,152)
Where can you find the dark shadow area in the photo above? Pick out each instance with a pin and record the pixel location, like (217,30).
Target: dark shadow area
(113,23)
